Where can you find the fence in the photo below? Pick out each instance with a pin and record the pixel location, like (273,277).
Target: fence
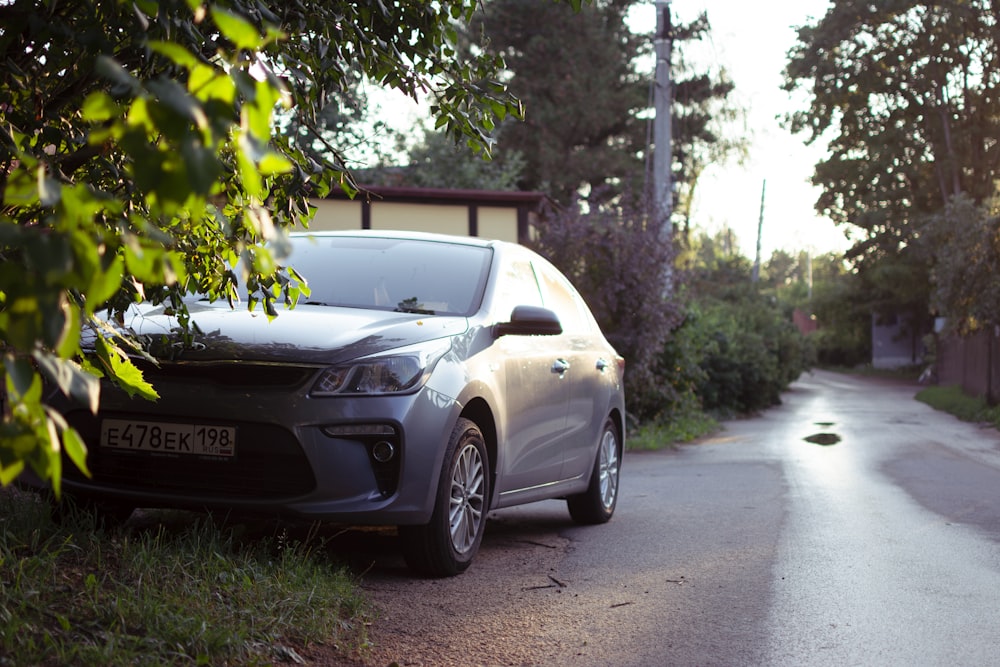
(971,362)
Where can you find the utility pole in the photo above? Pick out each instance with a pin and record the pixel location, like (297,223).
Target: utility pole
(663,190)
(760,233)
(663,197)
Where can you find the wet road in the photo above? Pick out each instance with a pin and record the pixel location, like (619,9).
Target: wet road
(852,525)
(889,552)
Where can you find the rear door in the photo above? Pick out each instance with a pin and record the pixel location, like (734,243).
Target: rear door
(586,379)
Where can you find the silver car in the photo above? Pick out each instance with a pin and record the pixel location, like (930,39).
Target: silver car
(424,381)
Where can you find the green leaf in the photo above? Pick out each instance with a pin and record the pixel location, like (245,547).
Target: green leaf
(236,29)
(174,52)
(274,163)
(109,68)
(20,376)
(245,154)
(71,379)
(8,473)
(206,84)
(99,107)
(69,341)
(105,284)
(76,449)
(124,372)
(21,189)
(175,97)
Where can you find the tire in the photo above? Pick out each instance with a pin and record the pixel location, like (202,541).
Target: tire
(446,546)
(597,504)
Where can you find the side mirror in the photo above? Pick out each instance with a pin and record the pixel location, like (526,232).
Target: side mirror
(529,321)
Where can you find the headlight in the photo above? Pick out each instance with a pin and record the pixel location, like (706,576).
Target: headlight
(402,371)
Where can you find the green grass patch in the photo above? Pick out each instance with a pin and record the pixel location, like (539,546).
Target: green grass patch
(679,429)
(867,370)
(187,594)
(954,401)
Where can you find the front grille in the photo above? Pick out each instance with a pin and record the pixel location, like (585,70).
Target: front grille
(269,463)
(233,374)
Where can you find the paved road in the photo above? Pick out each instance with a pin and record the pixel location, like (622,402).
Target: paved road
(852,525)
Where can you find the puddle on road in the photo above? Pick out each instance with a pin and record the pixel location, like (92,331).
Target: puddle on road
(825,439)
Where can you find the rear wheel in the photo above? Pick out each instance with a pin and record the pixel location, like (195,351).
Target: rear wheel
(597,503)
(446,546)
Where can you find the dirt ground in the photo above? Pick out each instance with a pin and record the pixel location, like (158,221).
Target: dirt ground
(512,590)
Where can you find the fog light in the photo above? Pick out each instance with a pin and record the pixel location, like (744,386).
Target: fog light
(383,451)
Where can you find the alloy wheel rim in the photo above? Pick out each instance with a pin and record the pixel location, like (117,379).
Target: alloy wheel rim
(468,480)
(608,471)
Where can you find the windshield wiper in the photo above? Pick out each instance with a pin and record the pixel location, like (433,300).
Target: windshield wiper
(414,309)
(412,305)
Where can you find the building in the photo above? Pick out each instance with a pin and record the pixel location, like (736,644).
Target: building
(506,216)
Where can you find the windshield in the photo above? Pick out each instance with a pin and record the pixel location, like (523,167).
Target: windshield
(430,277)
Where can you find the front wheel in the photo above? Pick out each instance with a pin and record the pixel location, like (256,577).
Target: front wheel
(446,546)
(597,503)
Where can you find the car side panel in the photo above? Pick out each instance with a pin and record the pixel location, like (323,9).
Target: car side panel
(536,401)
(589,406)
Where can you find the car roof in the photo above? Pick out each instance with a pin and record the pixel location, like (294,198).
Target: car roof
(406,235)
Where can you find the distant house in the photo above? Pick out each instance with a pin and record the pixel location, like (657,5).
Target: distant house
(896,342)
(506,216)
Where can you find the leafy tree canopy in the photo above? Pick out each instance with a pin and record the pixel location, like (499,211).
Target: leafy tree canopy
(139,161)
(587,98)
(437,161)
(907,92)
(966,274)
(619,262)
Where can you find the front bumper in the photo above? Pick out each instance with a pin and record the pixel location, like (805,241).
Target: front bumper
(296,456)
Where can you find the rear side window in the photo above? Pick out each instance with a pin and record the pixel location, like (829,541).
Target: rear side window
(516,286)
(561,297)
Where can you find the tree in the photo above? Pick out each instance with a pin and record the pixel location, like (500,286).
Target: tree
(966,274)
(840,302)
(741,337)
(618,261)
(437,161)
(139,163)
(576,74)
(587,99)
(906,93)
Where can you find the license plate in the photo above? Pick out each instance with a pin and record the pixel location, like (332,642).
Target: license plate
(168,438)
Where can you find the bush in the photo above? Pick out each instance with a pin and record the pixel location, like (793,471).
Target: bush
(736,354)
(619,263)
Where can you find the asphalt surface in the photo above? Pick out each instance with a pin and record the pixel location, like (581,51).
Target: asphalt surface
(852,525)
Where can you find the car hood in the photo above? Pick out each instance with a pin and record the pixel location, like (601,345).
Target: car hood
(305,334)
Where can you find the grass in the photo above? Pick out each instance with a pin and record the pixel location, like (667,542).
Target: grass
(956,402)
(191,594)
(681,428)
(900,373)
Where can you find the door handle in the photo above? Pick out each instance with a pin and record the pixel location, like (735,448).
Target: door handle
(602,364)
(560,366)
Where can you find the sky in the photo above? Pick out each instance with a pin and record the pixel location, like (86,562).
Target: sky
(750,40)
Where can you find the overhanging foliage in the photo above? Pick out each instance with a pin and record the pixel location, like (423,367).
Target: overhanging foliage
(138,163)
